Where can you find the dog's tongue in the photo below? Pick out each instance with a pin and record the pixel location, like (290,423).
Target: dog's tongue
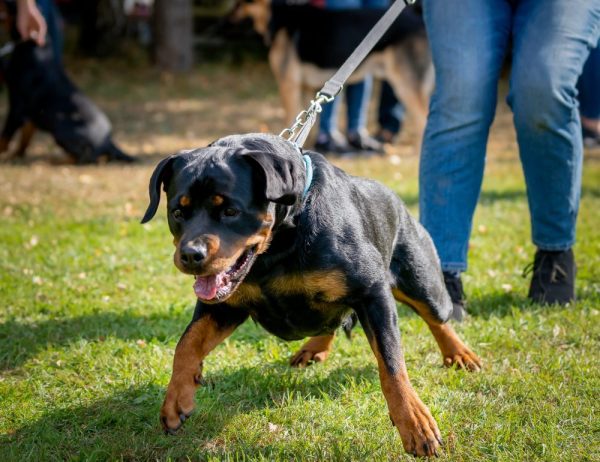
(206,287)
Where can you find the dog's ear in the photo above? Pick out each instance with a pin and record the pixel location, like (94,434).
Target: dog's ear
(160,176)
(281,176)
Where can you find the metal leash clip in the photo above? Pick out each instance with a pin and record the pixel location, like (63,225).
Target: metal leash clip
(305,120)
(299,131)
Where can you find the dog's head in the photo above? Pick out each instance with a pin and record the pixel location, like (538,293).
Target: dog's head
(259,11)
(224,203)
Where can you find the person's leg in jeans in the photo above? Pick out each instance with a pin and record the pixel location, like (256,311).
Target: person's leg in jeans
(462,109)
(328,117)
(589,99)
(390,114)
(329,139)
(358,96)
(551,42)
(357,101)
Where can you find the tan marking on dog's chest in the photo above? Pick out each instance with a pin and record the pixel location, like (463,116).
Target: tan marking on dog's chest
(245,294)
(329,285)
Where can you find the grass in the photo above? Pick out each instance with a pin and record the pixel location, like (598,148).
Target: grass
(92,307)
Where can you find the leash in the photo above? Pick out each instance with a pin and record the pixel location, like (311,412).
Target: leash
(298,132)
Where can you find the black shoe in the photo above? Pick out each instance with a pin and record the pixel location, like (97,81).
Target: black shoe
(385,136)
(457,295)
(553,279)
(362,141)
(332,143)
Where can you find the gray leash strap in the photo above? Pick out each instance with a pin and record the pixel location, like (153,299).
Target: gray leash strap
(299,131)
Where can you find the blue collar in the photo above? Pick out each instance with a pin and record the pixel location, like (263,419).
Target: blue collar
(309,174)
(308,166)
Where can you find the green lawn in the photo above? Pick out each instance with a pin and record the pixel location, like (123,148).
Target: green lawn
(92,307)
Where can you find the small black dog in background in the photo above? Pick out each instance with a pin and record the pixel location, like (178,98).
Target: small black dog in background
(42,96)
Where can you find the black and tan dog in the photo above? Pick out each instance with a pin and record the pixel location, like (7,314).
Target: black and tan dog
(42,96)
(301,262)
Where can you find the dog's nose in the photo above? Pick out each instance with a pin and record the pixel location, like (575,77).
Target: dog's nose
(192,255)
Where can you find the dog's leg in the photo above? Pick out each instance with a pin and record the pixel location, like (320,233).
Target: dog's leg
(314,350)
(13,122)
(285,66)
(115,154)
(454,351)
(417,428)
(408,87)
(417,281)
(27,132)
(210,326)
(4,142)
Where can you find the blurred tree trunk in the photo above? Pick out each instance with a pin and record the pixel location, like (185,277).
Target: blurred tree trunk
(174,34)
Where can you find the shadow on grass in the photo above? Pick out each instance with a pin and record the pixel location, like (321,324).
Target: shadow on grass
(488,197)
(63,160)
(500,304)
(126,425)
(485,305)
(20,341)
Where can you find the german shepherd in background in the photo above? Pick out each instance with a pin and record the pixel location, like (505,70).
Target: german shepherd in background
(307,45)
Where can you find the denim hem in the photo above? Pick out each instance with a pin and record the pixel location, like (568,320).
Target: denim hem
(554,247)
(454,266)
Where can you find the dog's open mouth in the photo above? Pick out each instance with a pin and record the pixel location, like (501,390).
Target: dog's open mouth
(217,287)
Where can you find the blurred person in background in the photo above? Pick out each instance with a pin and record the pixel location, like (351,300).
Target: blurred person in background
(54,25)
(39,22)
(329,139)
(390,115)
(30,22)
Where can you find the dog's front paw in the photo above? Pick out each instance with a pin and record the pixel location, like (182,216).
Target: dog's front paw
(177,406)
(463,358)
(418,430)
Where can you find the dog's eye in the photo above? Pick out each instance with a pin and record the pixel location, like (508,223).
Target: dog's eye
(231,212)
(177,214)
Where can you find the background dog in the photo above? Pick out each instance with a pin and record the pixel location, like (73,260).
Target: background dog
(42,96)
(308,44)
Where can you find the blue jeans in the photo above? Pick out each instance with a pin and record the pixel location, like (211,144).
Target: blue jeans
(358,94)
(357,102)
(589,86)
(52,17)
(390,114)
(469,40)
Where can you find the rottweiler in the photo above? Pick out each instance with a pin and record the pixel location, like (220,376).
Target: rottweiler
(302,248)
(42,96)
